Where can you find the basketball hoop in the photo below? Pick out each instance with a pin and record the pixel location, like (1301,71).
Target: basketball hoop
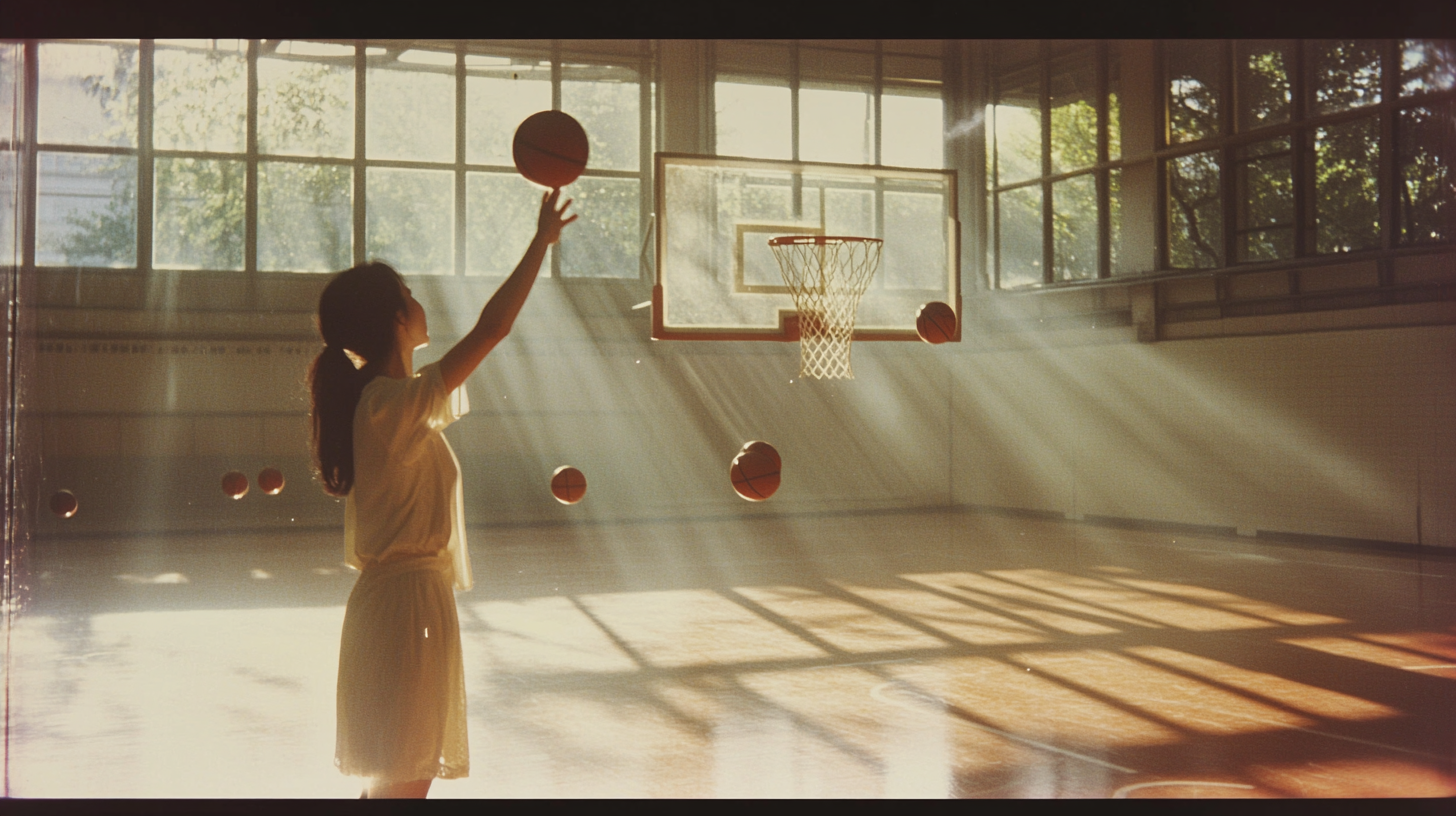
(827,276)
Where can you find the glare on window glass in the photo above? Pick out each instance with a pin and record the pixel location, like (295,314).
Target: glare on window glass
(495,105)
(305,217)
(200,98)
(912,131)
(88,94)
(836,126)
(305,108)
(410,115)
(411,222)
(86,210)
(753,121)
(198,222)
(609,111)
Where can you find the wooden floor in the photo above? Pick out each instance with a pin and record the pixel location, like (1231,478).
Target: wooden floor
(930,654)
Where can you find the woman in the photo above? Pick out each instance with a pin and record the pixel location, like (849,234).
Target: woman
(377,442)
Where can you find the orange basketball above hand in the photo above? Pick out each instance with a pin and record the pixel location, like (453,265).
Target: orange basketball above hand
(568,485)
(550,148)
(935,322)
(755,475)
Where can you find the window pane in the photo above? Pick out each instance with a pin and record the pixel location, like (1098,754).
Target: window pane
(1427,181)
(1020,237)
(306,108)
(411,219)
(88,94)
(1193,90)
(86,210)
(912,131)
(1427,66)
(836,126)
(305,217)
(1264,87)
(1114,223)
(1074,228)
(199,214)
(1265,179)
(9,181)
(410,115)
(914,249)
(500,218)
(201,97)
(1346,200)
(1114,104)
(1343,74)
(1074,114)
(753,121)
(1195,218)
(495,106)
(605,242)
(1018,128)
(610,109)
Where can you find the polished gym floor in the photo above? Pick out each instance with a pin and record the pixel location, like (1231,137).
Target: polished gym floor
(910,654)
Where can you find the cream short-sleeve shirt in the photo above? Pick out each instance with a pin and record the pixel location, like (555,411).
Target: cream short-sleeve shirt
(407,500)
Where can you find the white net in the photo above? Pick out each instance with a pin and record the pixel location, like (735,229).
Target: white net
(827,277)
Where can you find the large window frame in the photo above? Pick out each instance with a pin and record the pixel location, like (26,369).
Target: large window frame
(560,58)
(1229,147)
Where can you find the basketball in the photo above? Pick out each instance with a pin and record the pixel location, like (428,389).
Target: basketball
(568,485)
(755,475)
(234,484)
(936,322)
(550,148)
(63,504)
(766,449)
(270,481)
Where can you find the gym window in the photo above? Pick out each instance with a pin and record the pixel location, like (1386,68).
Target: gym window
(1266,153)
(309,156)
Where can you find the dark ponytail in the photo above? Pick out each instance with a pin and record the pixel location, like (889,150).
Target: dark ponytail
(357,312)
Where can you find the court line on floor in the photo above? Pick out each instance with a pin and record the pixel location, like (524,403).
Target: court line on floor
(1437,666)
(1121,793)
(878,692)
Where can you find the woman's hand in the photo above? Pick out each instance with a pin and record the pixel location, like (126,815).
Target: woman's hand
(550,221)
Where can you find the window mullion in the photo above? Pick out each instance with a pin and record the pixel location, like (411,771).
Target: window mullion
(645,119)
(145,172)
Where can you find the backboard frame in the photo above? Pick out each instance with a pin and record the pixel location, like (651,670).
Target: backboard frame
(787,329)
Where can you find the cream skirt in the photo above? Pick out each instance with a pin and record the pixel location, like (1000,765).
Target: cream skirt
(401,703)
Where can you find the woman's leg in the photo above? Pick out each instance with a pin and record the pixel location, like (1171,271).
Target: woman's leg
(417,789)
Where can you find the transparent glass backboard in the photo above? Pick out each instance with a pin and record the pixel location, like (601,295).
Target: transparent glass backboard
(717,279)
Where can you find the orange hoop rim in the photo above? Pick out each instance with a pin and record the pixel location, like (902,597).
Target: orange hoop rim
(787,240)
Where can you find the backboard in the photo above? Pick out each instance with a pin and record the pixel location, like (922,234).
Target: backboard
(717,279)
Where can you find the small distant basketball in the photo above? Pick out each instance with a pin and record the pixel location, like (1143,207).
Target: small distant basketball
(270,481)
(936,322)
(766,449)
(755,475)
(234,484)
(550,148)
(568,485)
(64,504)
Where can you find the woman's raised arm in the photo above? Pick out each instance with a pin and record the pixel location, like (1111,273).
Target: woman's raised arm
(500,311)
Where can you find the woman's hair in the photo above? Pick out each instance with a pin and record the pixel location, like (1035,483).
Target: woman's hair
(356,313)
